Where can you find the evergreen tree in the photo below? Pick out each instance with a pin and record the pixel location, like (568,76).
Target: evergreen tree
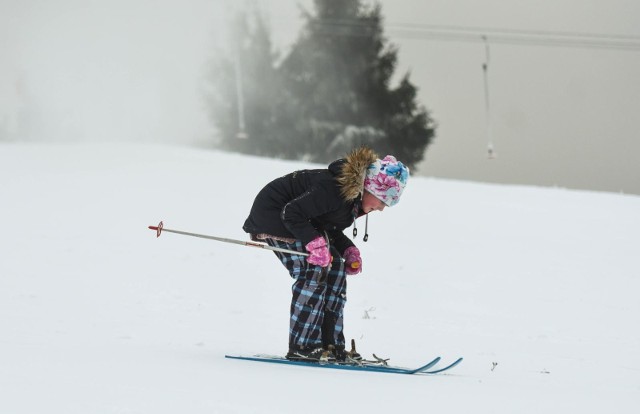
(245,90)
(330,94)
(338,74)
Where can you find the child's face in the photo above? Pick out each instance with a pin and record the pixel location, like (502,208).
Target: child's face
(371,203)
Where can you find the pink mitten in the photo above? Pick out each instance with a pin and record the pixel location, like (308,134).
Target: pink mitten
(353,261)
(318,252)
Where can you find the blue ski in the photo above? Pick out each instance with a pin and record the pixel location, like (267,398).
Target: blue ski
(453,364)
(351,367)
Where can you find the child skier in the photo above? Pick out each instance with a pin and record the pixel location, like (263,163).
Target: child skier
(307,211)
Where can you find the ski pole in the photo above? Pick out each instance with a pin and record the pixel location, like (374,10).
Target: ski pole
(160,228)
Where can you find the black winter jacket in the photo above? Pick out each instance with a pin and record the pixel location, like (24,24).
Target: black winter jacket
(303,205)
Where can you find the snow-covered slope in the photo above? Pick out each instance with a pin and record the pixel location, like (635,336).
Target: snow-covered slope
(99,316)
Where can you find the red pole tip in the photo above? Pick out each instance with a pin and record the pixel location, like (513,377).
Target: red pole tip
(153,228)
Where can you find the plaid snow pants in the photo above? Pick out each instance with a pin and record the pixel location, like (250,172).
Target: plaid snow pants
(319,296)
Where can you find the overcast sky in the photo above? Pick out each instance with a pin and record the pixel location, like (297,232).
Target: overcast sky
(132,70)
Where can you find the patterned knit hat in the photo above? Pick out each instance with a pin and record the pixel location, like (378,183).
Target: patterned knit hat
(386,179)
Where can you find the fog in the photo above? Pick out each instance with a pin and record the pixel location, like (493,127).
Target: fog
(107,70)
(135,71)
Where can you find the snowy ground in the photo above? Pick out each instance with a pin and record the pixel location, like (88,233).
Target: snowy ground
(99,316)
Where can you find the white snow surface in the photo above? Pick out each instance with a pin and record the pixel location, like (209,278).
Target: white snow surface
(97,315)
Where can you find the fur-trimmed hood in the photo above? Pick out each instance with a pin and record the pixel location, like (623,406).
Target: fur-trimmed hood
(351,171)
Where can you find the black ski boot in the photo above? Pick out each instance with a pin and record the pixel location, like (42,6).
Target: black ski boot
(311,354)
